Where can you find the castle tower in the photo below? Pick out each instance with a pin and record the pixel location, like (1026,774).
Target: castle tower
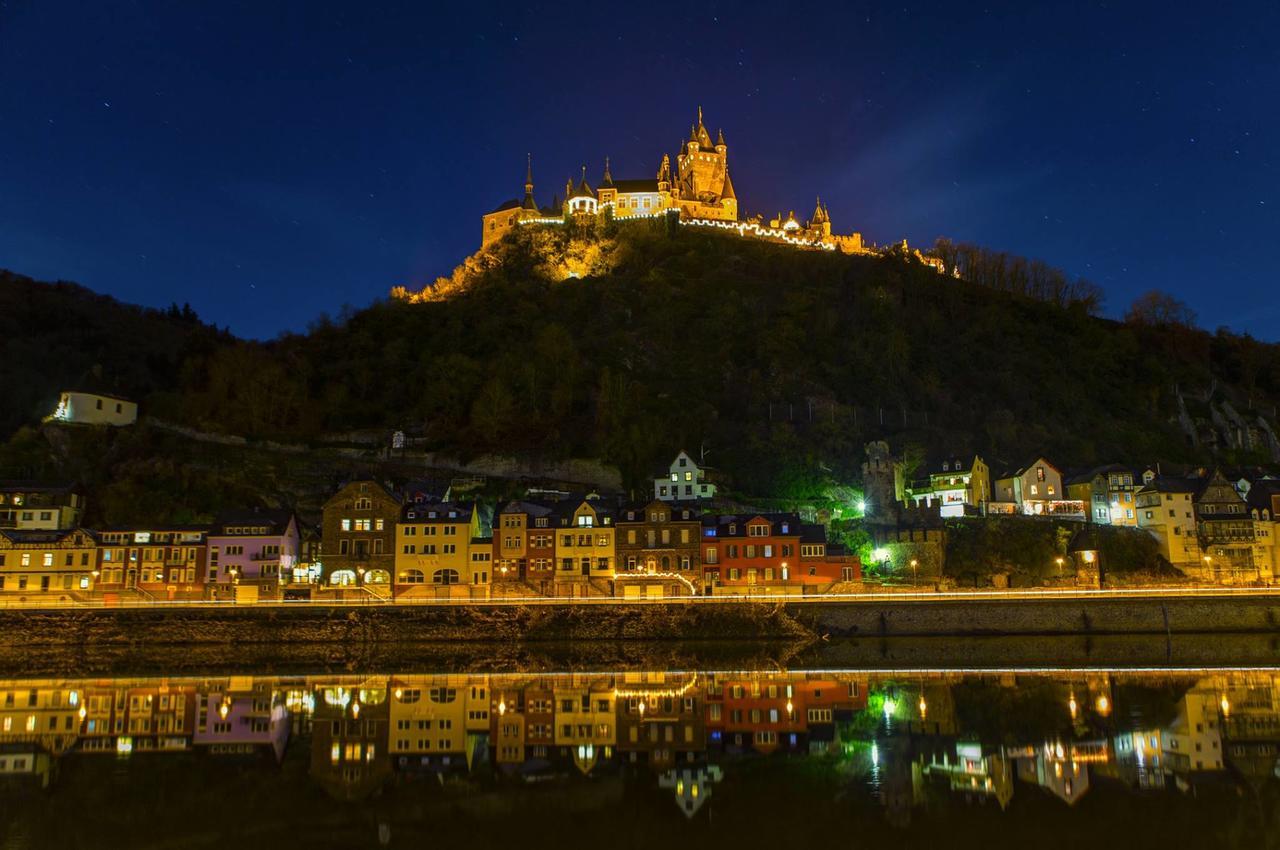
(820,223)
(664,174)
(529,204)
(607,192)
(702,170)
(878,484)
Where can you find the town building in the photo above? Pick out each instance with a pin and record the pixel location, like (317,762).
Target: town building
(253,553)
(46,564)
(1166,509)
(1228,535)
(153,562)
(358,536)
(434,548)
(1033,489)
(823,564)
(658,546)
(1108,494)
(40,506)
(524,549)
(86,408)
(953,485)
(585,547)
(750,554)
(685,480)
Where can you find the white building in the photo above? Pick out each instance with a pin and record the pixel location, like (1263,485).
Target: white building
(94,409)
(684,481)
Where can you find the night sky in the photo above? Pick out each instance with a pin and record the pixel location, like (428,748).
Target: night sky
(270,161)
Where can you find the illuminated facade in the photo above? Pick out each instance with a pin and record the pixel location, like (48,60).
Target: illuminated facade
(435,545)
(698,190)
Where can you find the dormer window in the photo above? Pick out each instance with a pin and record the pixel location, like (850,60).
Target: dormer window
(684,461)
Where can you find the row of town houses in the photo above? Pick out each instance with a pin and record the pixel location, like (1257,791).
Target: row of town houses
(406,543)
(358,732)
(1215,524)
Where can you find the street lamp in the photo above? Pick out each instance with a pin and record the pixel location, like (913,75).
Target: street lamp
(914,571)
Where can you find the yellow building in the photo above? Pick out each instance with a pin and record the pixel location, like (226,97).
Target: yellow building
(1108,494)
(585,553)
(585,724)
(47,565)
(435,544)
(437,720)
(1165,509)
(45,713)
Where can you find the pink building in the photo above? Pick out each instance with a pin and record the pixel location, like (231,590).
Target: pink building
(252,547)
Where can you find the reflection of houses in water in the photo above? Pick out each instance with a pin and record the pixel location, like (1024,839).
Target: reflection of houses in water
(770,713)
(349,755)
(1251,726)
(1191,744)
(584,727)
(438,724)
(691,785)
(26,762)
(1061,768)
(969,771)
(241,716)
(661,719)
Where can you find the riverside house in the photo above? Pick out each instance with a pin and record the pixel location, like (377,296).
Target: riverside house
(46,564)
(524,549)
(358,539)
(658,549)
(433,551)
(153,562)
(751,554)
(254,549)
(1033,489)
(955,486)
(584,540)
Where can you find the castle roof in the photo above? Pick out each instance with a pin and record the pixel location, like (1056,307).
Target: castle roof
(512,204)
(728,193)
(583,189)
(635,186)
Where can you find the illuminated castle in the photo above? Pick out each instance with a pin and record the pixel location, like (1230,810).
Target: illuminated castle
(700,193)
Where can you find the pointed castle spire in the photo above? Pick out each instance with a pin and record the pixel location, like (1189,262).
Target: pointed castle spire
(529,203)
(608,178)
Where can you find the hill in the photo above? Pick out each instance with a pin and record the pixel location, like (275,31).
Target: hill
(625,342)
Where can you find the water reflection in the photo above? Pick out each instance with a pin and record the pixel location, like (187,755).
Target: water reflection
(907,746)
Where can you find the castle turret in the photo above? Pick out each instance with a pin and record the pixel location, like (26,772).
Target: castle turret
(529,204)
(821,221)
(721,147)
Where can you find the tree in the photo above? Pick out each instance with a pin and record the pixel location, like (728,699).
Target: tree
(1160,308)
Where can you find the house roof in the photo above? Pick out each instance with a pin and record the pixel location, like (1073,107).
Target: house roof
(1021,470)
(735,525)
(1088,475)
(42,536)
(429,512)
(1172,484)
(276,520)
(532,507)
(641,511)
(813,533)
(156,527)
(566,508)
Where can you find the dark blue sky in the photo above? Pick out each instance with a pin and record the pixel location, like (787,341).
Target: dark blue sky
(269,161)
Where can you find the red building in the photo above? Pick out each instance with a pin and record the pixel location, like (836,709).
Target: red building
(751,554)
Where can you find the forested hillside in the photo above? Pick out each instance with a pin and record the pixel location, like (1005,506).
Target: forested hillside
(625,342)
